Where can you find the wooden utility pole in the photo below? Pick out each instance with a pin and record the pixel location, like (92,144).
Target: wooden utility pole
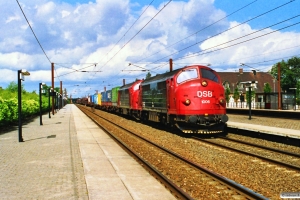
(279,87)
(61,95)
(52,79)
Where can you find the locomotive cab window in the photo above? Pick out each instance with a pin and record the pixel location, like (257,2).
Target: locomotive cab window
(209,75)
(187,74)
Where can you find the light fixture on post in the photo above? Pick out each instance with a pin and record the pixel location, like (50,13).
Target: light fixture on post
(50,91)
(21,76)
(249,85)
(40,93)
(295,99)
(55,101)
(59,102)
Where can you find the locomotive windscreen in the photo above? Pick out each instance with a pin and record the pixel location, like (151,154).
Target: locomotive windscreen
(209,75)
(187,74)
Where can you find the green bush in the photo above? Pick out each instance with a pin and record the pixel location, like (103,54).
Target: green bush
(9,106)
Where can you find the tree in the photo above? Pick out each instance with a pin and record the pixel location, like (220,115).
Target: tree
(148,75)
(267,88)
(236,95)
(227,93)
(290,73)
(13,87)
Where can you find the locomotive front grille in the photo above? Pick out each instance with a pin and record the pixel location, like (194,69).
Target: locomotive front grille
(202,119)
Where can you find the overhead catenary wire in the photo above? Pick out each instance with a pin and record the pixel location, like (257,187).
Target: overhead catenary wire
(251,56)
(136,34)
(223,31)
(123,35)
(34,32)
(201,29)
(197,53)
(281,58)
(129,28)
(76,70)
(202,52)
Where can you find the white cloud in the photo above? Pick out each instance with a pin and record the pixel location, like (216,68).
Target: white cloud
(267,46)
(45,9)
(13,18)
(65,13)
(8,75)
(18,60)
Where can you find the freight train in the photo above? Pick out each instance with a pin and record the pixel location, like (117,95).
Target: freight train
(191,98)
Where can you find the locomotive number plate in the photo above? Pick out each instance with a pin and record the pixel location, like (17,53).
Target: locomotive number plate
(204,93)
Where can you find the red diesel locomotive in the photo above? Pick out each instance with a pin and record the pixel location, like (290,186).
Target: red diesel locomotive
(191,98)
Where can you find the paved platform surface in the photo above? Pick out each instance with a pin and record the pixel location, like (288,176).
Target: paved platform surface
(69,157)
(275,126)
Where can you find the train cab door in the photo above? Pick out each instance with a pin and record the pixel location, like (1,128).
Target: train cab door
(171,98)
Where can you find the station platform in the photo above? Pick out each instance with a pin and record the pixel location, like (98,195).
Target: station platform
(69,157)
(268,125)
(292,133)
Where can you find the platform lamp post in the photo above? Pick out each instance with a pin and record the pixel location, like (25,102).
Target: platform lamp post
(295,93)
(59,101)
(249,85)
(55,103)
(40,93)
(50,94)
(21,74)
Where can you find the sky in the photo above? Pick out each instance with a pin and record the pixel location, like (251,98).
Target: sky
(96,44)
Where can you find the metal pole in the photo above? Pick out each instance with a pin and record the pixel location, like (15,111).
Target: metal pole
(250,103)
(61,93)
(52,79)
(279,87)
(55,100)
(49,103)
(40,93)
(20,107)
(295,99)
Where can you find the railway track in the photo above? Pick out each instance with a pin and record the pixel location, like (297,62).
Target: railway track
(286,159)
(185,178)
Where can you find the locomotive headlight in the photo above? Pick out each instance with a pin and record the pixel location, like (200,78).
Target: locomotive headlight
(204,83)
(187,102)
(222,101)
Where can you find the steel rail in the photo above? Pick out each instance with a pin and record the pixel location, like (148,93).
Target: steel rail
(175,190)
(263,147)
(250,154)
(232,184)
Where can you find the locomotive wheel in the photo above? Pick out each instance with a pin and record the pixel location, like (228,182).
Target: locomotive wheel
(171,123)
(225,131)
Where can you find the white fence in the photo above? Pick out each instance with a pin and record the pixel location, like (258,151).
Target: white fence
(245,105)
(259,105)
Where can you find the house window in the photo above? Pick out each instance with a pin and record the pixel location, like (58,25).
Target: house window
(227,85)
(240,86)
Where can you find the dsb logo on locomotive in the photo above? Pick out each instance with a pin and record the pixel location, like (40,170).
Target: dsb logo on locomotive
(204,93)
